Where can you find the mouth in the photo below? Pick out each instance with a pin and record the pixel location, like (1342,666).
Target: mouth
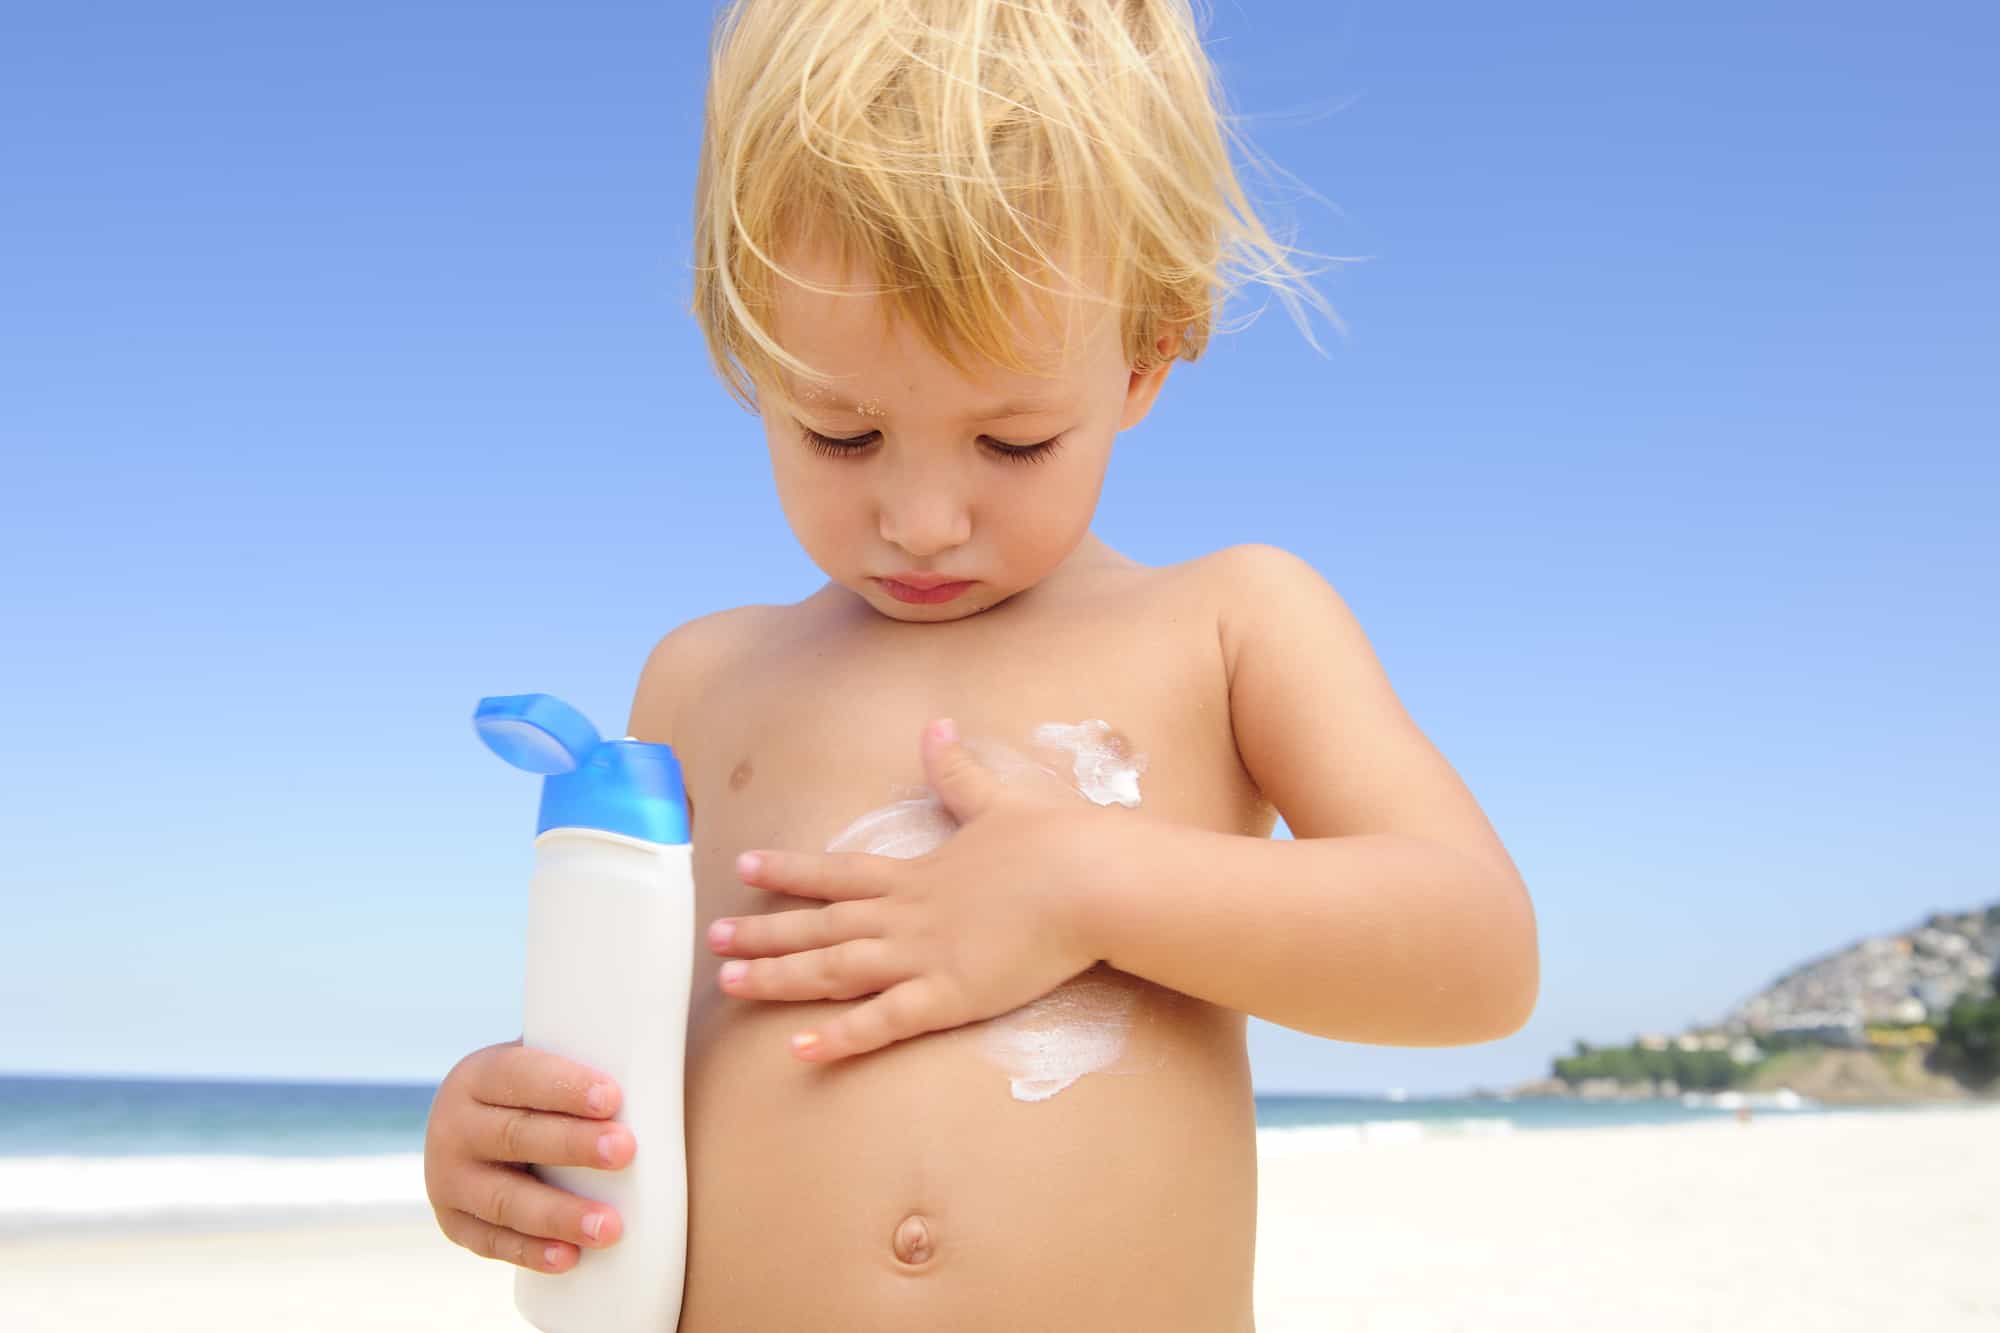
(942,592)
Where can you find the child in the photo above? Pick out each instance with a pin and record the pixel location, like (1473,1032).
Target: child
(947,250)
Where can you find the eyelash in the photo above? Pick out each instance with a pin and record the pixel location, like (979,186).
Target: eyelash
(834,448)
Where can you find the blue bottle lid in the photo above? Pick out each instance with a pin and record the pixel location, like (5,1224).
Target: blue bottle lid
(623,786)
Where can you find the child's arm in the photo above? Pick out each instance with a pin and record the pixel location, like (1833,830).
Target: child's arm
(1395,918)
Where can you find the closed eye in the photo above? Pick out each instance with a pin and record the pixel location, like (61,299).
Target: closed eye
(834,447)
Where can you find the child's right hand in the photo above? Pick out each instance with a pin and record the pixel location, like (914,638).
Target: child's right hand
(499,1109)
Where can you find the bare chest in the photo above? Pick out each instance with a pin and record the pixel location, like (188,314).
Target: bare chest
(809,736)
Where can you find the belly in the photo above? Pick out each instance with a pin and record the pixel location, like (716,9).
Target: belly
(1001,1175)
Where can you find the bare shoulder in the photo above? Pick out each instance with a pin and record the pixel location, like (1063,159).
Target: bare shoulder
(1212,576)
(683,660)
(1256,590)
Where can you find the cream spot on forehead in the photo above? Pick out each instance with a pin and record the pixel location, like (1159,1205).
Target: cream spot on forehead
(819,393)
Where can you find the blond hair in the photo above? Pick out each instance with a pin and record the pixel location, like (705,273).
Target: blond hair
(942,145)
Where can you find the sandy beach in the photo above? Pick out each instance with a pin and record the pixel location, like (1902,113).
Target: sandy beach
(1829,1223)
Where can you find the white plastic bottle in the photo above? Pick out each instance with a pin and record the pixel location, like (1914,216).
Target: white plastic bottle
(610,959)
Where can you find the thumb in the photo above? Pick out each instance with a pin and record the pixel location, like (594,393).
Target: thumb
(965,785)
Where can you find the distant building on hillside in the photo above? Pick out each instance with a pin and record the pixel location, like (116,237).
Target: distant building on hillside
(1906,978)
(1834,1029)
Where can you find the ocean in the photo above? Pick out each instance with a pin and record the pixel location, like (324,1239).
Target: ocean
(99,1152)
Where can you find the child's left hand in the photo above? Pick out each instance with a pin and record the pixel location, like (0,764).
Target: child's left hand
(984,924)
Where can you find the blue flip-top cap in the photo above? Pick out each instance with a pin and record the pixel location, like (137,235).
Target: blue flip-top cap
(623,786)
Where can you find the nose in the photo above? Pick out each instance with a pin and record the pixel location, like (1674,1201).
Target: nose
(923,517)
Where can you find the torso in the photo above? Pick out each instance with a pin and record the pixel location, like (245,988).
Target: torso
(917,1187)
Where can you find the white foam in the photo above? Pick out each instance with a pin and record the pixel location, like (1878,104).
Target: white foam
(1286,1140)
(44,1189)
(38,1192)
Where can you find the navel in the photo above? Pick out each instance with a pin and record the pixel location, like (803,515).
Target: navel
(913,1242)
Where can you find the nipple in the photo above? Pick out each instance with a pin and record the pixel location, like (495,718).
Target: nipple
(912,1242)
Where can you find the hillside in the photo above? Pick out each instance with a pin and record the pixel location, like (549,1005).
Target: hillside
(1837,1076)
(1857,1025)
(1911,976)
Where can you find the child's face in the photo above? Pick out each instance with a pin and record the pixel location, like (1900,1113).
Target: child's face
(926,488)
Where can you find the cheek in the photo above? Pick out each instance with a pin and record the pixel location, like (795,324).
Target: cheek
(817,512)
(810,506)
(1049,517)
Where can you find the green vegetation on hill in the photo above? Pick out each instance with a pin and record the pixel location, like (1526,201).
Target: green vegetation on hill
(1701,1071)
(1968,1043)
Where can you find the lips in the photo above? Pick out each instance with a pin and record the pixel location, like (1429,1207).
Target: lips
(922,582)
(941,592)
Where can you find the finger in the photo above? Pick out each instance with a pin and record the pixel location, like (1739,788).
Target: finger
(776,933)
(517,1199)
(514,1200)
(483,1238)
(528,1076)
(830,875)
(542,1138)
(966,786)
(908,1010)
(840,972)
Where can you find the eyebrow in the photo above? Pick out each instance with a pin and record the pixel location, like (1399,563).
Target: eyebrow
(1013,407)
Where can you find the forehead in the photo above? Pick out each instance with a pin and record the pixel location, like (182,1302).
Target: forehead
(853,332)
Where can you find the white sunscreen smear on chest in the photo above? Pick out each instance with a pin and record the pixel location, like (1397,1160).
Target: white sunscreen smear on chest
(1081,1025)
(1104,771)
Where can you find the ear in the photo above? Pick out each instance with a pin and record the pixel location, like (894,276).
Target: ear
(1146,384)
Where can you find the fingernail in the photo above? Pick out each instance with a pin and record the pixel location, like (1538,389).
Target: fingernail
(734,971)
(721,932)
(606,1145)
(593,1224)
(749,863)
(945,730)
(600,1097)
(553,1254)
(804,1042)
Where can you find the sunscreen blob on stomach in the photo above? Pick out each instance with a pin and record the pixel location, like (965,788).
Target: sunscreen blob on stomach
(1080,1026)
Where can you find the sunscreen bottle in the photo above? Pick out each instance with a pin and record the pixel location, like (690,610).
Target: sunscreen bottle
(611,923)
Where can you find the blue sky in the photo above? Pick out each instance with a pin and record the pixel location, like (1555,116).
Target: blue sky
(345,378)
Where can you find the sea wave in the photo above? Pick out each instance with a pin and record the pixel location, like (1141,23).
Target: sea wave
(1281,1140)
(194,1189)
